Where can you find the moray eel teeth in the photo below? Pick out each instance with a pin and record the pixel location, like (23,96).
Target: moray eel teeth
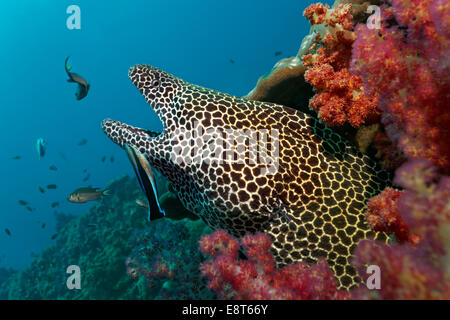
(311,205)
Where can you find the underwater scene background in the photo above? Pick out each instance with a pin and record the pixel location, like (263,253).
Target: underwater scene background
(378,77)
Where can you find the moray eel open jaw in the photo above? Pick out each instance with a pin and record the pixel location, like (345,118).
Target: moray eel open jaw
(153,85)
(312,206)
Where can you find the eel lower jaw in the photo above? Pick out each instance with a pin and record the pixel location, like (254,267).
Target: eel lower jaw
(122,133)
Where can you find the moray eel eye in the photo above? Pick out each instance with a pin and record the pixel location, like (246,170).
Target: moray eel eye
(151,84)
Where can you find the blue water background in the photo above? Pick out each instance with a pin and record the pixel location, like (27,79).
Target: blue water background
(192,39)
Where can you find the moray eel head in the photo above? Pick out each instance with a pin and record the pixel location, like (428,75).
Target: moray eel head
(159,89)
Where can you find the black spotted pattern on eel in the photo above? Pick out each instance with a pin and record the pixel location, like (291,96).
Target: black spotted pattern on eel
(312,206)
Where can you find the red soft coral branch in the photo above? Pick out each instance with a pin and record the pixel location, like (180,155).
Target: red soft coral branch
(257,277)
(407,66)
(419,216)
(383,215)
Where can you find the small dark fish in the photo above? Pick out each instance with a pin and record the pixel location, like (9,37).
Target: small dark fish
(277,53)
(146,180)
(82,142)
(42,190)
(55,204)
(53,168)
(85,170)
(8,232)
(111,159)
(82,195)
(52,186)
(16,157)
(87,177)
(23,202)
(83,86)
(43,226)
(92,225)
(231,61)
(103,158)
(41,145)
(54,236)
(29,208)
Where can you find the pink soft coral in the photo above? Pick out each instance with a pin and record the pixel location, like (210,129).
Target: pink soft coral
(418,268)
(257,277)
(407,66)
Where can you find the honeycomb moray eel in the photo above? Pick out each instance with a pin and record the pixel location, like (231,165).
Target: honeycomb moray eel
(312,206)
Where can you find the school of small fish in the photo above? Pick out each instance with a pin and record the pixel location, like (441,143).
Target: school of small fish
(80,195)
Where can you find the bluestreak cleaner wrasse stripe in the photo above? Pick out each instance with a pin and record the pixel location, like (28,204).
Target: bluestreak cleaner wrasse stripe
(146,180)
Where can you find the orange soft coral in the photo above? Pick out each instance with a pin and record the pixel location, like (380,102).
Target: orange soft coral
(339,95)
(316,13)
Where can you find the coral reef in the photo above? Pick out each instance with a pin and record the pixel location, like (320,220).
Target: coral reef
(405,63)
(387,86)
(418,268)
(99,251)
(62,219)
(340,97)
(166,258)
(285,84)
(5,273)
(388,154)
(257,277)
(396,78)
(383,214)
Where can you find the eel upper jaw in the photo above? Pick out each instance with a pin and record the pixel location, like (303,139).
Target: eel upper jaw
(153,103)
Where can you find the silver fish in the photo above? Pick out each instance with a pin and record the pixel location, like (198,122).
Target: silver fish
(82,195)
